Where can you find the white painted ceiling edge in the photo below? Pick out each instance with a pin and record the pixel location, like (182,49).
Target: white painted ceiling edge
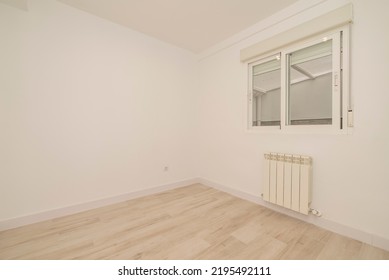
(264,21)
(333,19)
(194,25)
(19,4)
(282,19)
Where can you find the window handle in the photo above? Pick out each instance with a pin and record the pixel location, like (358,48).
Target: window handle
(336,79)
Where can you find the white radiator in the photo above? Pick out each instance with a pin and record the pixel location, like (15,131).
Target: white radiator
(287,181)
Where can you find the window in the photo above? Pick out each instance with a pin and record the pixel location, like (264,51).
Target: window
(266,94)
(301,87)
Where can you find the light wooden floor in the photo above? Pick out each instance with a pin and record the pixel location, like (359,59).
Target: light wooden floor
(194,222)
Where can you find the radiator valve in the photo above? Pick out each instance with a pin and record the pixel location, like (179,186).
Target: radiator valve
(315,212)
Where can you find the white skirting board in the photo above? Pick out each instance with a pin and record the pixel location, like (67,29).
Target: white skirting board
(345,230)
(366,237)
(60,212)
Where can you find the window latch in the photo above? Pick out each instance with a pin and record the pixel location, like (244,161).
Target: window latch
(336,79)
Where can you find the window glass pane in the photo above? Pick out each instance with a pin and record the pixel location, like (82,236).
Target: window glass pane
(266,93)
(310,85)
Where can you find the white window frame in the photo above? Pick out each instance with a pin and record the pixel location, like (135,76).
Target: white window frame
(341,101)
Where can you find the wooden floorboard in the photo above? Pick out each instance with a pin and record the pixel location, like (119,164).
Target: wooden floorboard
(194,222)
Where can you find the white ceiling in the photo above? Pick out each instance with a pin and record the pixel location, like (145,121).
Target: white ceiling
(20,4)
(194,25)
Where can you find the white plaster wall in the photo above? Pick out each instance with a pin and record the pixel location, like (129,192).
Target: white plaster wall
(88,109)
(350,182)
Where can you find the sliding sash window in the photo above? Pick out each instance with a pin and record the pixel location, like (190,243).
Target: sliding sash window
(302,87)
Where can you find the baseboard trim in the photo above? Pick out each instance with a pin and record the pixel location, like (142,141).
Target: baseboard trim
(369,238)
(69,210)
(366,237)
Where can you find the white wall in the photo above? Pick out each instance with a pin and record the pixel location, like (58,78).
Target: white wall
(350,184)
(88,109)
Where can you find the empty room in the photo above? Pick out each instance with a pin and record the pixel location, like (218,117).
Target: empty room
(194,130)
